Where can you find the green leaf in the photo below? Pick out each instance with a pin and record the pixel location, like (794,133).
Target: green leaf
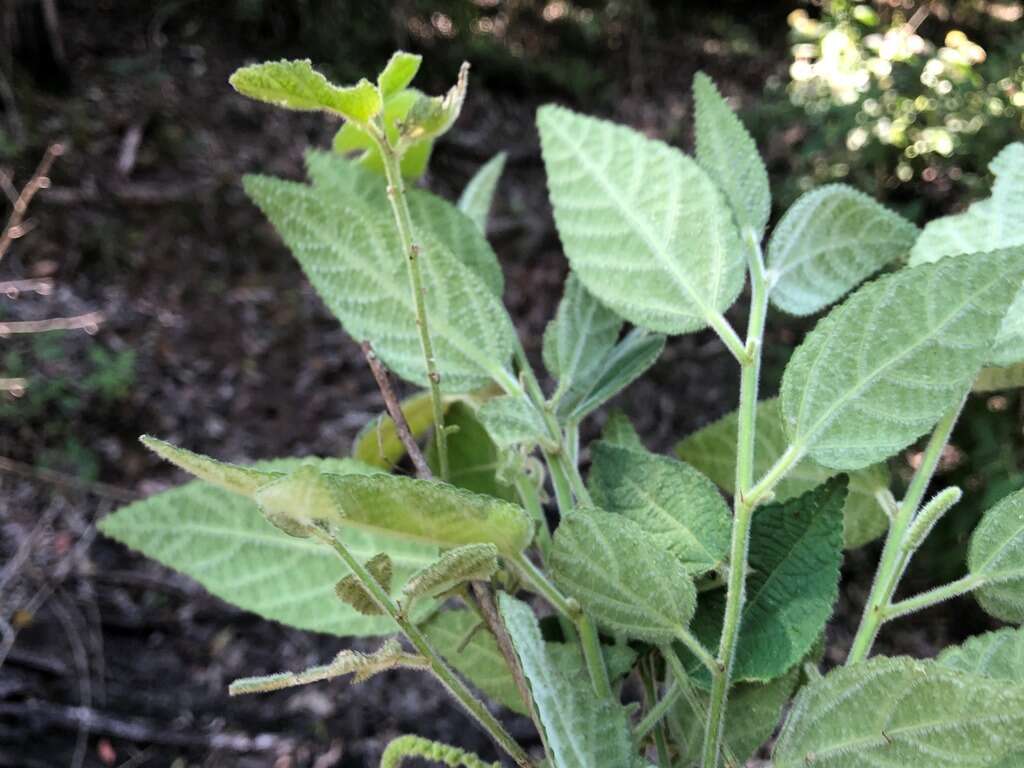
(674,503)
(432,116)
(999,655)
(625,363)
(479,660)
(403,507)
(230,477)
(996,379)
(619,430)
(398,73)
(828,242)
(987,225)
(729,155)
(296,85)
(472,562)
(646,230)
(752,712)
(476,199)
(796,549)
(354,592)
(883,367)
(431,215)
(621,576)
(473,458)
(996,554)
(512,420)
(901,712)
(580,730)
(353,257)
(579,338)
(712,450)
(353,140)
(221,540)
(378,444)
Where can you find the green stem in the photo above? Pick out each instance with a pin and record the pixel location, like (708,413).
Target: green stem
(647,675)
(932,597)
(400,208)
(592,655)
(694,646)
(529,496)
(540,584)
(745,500)
(894,555)
(658,711)
(441,671)
(729,336)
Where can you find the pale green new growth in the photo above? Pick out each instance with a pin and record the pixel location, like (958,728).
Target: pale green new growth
(999,655)
(353,141)
(432,116)
(828,242)
(674,503)
(900,712)
(795,553)
(619,430)
(221,540)
(472,562)
(642,225)
(580,730)
(398,73)
(996,555)
(363,666)
(355,261)
(296,85)
(986,226)
(728,154)
(512,421)
(477,197)
(400,507)
(230,477)
(621,577)
(352,591)
(415,747)
(884,366)
(712,450)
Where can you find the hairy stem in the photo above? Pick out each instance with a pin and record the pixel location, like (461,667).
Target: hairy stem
(744,502)
(961,586)
(440,669)
(648,677)
(894,555)
(400,208)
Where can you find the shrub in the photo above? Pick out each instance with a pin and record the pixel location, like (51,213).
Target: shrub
(719,612)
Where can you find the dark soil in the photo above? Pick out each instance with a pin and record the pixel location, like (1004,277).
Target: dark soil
(116,660)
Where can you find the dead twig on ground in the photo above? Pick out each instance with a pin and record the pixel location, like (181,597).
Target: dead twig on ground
(40,180)
(104,490)
(383,380)
(89,322)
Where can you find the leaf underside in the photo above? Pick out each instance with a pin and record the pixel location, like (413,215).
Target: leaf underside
(996,553)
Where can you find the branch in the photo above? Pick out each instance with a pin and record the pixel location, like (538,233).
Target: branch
(14,288)
(380,374)
(87,322)
(40,180)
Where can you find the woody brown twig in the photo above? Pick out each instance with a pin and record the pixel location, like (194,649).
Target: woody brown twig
(383,380)
(40,180)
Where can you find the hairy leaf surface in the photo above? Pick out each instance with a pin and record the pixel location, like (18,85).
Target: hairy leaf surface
(223,541)
(403,507)
(827,243)
(472,562)
(432,216)
(619,430)
(987,225)
(796,549)
(896,713)
(996,553)
(726,151)
(398,72)
(883,367)
(621,577)
(476,199)
(712,450)
(580,730)
(354,259)
(352,141)
(644,228)
(512,420)
(999,655)
(678,506)
(625,362)
(296,85)
(577,341)
(752,712)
